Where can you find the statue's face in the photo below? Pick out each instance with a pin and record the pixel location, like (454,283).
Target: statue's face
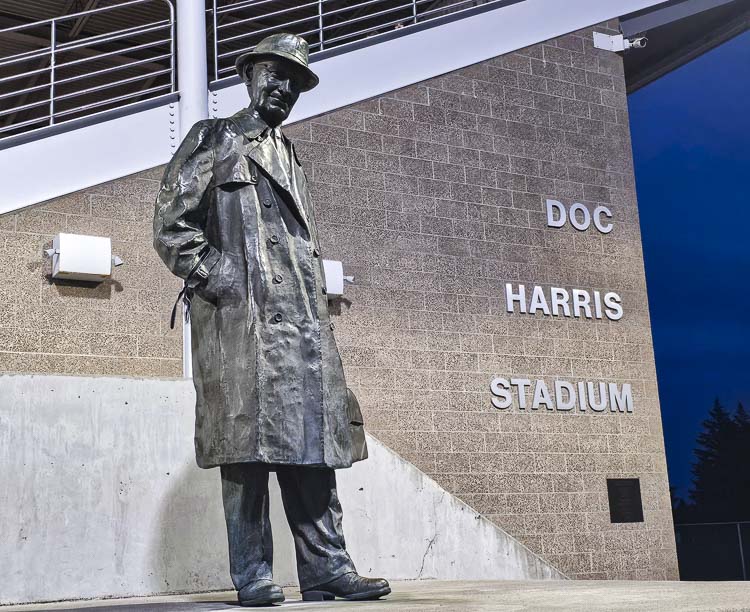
(274,89)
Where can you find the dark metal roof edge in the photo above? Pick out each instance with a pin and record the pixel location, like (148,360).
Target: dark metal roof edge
(665,13)
(685,55)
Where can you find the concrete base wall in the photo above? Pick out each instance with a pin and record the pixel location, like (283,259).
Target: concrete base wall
(100,496)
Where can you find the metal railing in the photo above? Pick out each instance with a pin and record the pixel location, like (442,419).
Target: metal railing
(95,62)
(61,79)
(239,26)
(713,551)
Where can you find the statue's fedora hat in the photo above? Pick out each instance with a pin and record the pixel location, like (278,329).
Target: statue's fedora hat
(285,46)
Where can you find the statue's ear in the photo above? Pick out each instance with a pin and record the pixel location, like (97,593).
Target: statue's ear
(247,72)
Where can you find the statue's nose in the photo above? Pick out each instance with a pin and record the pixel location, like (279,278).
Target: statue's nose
(285,87)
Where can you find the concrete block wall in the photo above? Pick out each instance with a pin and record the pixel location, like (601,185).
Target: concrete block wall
(119,327)
(433,197)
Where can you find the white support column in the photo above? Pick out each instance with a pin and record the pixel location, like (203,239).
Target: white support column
(192,63)
(192,81)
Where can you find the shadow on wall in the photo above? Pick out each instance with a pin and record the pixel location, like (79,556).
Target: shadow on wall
(189,551)
(99,480)
(190,543)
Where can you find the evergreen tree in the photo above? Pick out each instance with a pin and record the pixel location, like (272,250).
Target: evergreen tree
(742,418)
(680,510)
(720,489)
(741,461)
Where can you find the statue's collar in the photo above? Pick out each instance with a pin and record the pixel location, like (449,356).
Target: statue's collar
(252,125)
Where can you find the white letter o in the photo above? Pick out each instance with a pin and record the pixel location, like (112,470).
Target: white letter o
(574,220)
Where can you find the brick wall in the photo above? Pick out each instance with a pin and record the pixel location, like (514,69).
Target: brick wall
(119,327)
(433,197)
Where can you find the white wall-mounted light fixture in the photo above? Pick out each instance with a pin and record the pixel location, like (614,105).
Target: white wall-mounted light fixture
(86,258)
(334,273)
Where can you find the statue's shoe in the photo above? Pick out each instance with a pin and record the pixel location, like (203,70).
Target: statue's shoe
(260,593)
(349,586)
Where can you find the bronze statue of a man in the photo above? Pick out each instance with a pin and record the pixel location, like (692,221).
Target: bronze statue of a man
(234,218)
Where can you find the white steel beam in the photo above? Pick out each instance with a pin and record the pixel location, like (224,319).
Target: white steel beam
(86,156)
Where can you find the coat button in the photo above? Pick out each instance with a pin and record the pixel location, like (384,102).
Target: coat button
(316,253)
(332,326)
(277,279)
(267,203)
(274,239)
(277,317)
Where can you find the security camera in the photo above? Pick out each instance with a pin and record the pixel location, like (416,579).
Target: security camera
(636,43)
(618,42)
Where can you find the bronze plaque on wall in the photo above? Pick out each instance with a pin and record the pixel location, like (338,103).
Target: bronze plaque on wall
(625,505)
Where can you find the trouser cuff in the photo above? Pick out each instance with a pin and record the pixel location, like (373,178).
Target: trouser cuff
(324,575)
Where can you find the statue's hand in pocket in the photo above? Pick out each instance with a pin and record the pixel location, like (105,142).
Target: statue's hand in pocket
(224,285)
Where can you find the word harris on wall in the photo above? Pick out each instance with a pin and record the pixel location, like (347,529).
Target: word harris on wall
(561,395)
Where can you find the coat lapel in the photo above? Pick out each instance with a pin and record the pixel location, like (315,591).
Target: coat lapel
(300,184)
(260,148)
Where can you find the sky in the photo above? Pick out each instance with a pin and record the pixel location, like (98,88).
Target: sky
(691,146)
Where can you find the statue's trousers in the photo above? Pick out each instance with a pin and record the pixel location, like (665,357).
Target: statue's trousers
(312,509)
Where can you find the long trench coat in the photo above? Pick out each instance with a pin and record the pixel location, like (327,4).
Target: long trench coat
(234,217)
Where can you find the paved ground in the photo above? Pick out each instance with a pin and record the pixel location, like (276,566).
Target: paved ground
(507,596)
